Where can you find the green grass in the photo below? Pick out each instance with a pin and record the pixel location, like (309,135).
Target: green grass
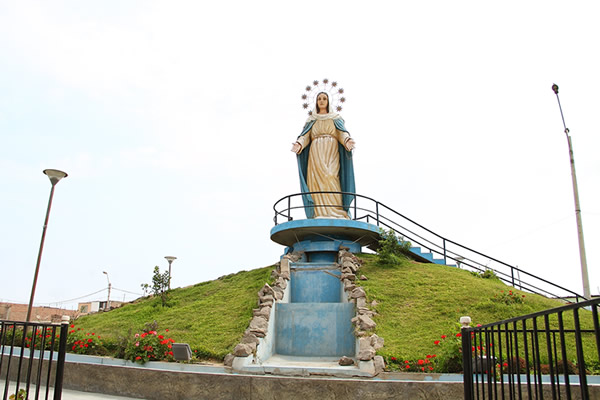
(417,303)
(210,316)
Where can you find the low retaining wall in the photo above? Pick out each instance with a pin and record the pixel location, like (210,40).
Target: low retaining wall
(155,384)
(175,381)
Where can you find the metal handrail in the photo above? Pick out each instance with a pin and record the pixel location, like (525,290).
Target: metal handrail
(385,217)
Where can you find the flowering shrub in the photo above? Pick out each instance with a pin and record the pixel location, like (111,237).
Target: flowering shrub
(149,346)
(80,342)
(447,357)
(509,298)
(38,338)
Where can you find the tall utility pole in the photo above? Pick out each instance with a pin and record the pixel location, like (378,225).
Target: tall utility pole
(584,272)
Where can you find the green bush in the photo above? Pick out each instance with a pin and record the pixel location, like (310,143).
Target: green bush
(392,249)
(149,346)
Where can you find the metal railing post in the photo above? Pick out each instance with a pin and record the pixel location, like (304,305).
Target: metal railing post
(467,365)
(60,365)
(445,261)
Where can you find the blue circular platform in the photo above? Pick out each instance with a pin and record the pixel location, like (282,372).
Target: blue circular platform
(292,232)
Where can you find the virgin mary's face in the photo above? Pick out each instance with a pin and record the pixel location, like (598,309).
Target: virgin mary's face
(322,101)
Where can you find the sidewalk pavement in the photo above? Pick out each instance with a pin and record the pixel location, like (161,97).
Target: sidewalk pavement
(67,394)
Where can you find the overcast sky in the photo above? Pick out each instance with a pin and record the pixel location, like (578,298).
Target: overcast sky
(174,121)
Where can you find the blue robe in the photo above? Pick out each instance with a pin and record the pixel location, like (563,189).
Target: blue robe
(346,171)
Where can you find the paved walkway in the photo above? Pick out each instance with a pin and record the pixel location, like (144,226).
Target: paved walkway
(67,394)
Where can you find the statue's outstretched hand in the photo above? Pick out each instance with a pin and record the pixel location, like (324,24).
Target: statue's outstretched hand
(350,144)
(296,147)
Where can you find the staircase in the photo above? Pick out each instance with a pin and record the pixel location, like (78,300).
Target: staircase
(317,320)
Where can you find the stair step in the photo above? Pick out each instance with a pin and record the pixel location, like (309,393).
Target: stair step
(315,329)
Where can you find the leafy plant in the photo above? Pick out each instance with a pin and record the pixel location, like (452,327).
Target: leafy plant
(487,274)
(509,297)
(21,395)
(392,249)
(80,342)
(150,346)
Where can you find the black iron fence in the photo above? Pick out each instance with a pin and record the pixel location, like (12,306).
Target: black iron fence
(32,359)
(366,209)
(548,354)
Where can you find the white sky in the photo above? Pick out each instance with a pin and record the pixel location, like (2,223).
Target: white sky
(174,121)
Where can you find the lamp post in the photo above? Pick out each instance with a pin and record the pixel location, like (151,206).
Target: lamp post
(584,272)
(108,298)
(55,176)
(170,259)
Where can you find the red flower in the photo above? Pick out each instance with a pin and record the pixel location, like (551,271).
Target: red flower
(443,336)
(407,366)
(393,358)
(421,362)
(423,369)
(405,361)
(166,330)
(72,326)
(505,364)
(138,358)
(458,334)
(431,368)
(170,353)
(90,340)
(161,337)
(437,342)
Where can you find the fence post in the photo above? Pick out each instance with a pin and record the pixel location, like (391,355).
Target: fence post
(467,357)
(60,364)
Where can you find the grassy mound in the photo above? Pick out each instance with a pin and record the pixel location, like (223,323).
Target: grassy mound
(416,304)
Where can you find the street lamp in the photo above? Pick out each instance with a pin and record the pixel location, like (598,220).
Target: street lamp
(584,272)
(170,259)
(108,298)
(55,176)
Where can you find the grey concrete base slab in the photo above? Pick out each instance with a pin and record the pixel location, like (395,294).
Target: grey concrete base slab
(307,366)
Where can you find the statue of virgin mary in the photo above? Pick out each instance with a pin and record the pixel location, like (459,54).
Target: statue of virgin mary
(324,152)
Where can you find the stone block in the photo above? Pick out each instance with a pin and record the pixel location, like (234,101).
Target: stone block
(367,367)
(228,361)
(243,350)
(346,361)
(379,364)
(259,323)
(365,323)
(358,292)
(377,342)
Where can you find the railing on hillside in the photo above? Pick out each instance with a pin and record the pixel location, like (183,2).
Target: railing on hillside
(545,354)
(366,209)
(27,352)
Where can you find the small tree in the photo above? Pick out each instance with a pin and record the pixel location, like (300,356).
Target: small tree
(160,285)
